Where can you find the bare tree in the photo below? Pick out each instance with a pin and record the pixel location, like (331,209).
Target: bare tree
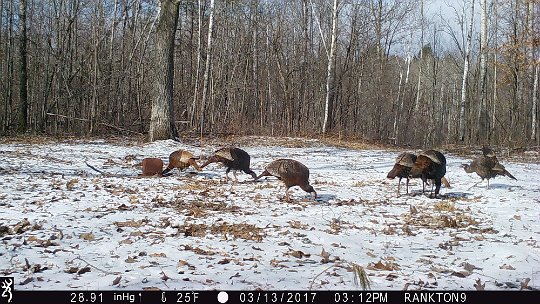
(93,67)
(534,121)
(534,66)
(162,123)
(198,65)
(482,119)
(466,58)
(23,69)
(330,75)
(419,83)
(208,63)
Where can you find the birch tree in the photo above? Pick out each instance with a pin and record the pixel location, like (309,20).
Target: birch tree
(330,75)
(466,58)
(534,67)
(419,83)
(208,63)
(161,121)
(534,122)
(482,118)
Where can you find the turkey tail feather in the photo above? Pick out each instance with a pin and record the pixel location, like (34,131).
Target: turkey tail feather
(509,175)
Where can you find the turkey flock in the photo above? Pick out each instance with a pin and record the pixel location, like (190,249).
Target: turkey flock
(428,165)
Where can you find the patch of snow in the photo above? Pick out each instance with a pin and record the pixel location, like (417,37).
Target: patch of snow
(200,231)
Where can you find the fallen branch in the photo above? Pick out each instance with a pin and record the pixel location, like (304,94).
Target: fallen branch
(99,123)
(95,169)
(105,173)
(320,273)
(97,268)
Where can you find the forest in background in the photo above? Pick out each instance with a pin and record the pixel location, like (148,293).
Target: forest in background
(386,71)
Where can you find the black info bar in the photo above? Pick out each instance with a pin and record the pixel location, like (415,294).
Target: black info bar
(248,297)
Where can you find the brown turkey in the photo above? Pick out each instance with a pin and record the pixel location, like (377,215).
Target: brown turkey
(291,173)
(402,168)
(181,159)
(152,166)
(487,166)
(234,159)
(430,164)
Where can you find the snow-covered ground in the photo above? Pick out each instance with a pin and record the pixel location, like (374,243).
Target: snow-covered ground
(65,226)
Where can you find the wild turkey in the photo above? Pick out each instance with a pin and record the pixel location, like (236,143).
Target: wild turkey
(404,163)
(488,152)
(430,164)
(152,166)
(234,159)
(487,166)
(291,172)
(181,159)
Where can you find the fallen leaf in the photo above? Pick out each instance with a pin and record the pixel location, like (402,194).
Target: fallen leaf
(478,285)
(381,266)
(299,254)
(371,254)
(87,236)
(130,260)
(117,280)
(461,274)
(181,263)
(131,223)
(165,277)
(71,184)
(325,255)
(525,284)
(470,267)
(507,267)
(84,270)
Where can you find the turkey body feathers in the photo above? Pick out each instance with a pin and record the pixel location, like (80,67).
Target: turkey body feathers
(232,158)
(430,164)
(291,173)
(181,159)
(487,166)
(402,168)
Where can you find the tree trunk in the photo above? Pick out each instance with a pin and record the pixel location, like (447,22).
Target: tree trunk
(482,125)
(464,77)
(161,121)
(23,76)
(208,62)
(198,67)
(494,98)
(534,122)
(331,74)
(419,83)
(534,66)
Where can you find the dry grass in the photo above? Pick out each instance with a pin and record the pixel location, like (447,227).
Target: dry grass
(236,231)
(200,209)
(443,215)
(444,206)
